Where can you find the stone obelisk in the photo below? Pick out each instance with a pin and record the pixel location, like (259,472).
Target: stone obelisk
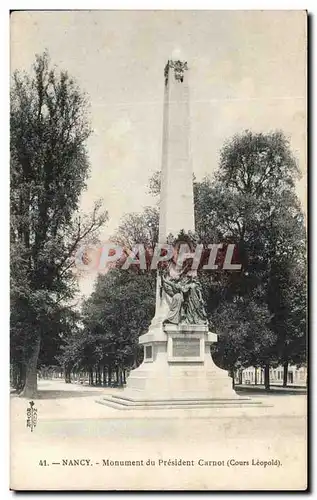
(176,201)
(176,196)
(177,370)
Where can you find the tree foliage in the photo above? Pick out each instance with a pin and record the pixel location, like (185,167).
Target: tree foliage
(258,312)
(252,201)
(49,169)
(118,311)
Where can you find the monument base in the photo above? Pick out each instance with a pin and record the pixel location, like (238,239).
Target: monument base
(121,403)
(177,372)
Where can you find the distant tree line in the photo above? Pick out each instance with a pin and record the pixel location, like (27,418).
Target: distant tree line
(259,312)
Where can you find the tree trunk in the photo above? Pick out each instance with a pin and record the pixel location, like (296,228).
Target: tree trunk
(109,375)
(68,377)
(255,376)
(267,377)
(120,376)
(15,375)
(21,377)
(232,376)
(285,373)
(67,374)
(99,374)
(30,386)
(91,380)
(240,376)
(117,375)
(124,376)
(104,372)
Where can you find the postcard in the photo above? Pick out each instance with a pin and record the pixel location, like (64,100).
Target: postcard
(158,224)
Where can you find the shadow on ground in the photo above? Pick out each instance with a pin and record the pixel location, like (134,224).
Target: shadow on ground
(65,394)
(50,394)
(274,390)
(81,392)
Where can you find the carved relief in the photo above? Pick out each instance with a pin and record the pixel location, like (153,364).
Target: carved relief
(179,68)
(185,300)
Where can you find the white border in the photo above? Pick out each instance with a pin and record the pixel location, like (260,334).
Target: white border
(160,5)
(310,5)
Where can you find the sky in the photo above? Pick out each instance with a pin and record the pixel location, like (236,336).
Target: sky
(247,70)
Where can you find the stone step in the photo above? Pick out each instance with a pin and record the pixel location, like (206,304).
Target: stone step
(129,404)
(178,400)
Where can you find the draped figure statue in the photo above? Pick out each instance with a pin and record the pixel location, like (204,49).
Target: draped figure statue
(186,304)
(194,309)
(173,289)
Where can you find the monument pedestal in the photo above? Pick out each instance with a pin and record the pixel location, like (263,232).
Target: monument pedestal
(177,372)
(178,366)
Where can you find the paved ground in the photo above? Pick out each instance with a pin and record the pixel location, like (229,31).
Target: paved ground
(218,445)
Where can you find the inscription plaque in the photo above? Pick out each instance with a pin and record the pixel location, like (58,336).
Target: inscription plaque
(186,348)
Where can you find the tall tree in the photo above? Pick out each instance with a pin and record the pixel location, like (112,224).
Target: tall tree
(252,202)
(137,228)
(119,310)
(49,169)
(115,315)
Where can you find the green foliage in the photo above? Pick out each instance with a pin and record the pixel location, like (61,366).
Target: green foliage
(252,202)
(260,311)
(118,311)
(138,228)
(49,169)
(245,337)
(257,164)
(120,308)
